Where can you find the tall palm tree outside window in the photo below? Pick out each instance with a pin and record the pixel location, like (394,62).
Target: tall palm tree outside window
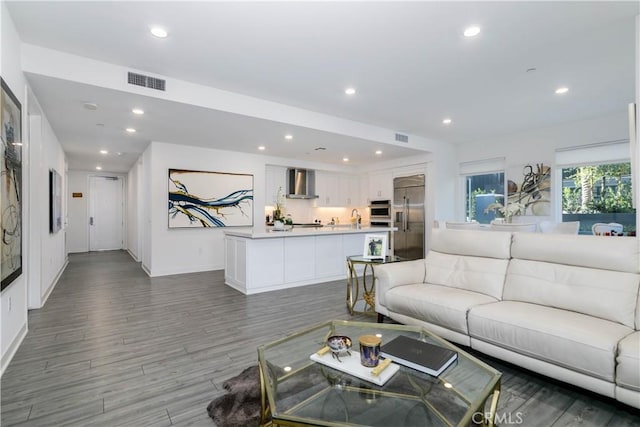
(598,193)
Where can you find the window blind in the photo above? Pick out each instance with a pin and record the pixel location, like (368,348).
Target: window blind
(598,153)
(478,167)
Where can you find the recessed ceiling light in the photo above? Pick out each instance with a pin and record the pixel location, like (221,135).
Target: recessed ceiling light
(350,91)
(345,159)
(17,144)
(378,152)
(138,111)
(288,137)
(90,106)
(262,148)
(104,152)
(471,31)
(446,121)
(159,32)
(130,130)
(562,90)
(99,168)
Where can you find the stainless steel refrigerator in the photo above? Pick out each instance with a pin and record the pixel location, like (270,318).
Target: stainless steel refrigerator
(408,208)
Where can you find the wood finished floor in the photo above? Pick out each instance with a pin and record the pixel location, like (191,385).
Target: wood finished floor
(115,347)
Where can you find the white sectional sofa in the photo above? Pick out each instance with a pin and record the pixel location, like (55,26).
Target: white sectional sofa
(565,306)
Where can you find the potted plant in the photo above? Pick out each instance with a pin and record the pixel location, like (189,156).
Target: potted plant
(278,213)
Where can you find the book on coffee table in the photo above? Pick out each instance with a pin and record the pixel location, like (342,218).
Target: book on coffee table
(424,357)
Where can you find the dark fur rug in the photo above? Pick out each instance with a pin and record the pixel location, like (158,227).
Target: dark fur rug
(240,407)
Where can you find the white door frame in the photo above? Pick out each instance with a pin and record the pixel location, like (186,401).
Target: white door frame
(122,179)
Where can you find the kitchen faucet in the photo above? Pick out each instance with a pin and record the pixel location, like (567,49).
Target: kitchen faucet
(357,217)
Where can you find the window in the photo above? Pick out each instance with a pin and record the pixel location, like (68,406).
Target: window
(598,193)
(481,191)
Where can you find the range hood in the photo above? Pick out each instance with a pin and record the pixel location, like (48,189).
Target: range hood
(301,184)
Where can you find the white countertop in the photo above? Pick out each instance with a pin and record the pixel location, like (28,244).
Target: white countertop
(269,232)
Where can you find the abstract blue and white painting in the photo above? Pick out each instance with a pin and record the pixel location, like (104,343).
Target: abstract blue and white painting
(210,199)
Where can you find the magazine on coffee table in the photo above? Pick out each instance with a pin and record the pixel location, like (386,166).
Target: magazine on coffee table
(419,355)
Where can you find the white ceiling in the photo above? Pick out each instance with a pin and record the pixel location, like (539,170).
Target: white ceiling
(408,60)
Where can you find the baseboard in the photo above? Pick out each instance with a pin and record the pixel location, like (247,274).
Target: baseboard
(13,347)
(196,269)
(45,297)
(145,269)
(134,256)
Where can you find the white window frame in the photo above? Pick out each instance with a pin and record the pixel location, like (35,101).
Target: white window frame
(477,167)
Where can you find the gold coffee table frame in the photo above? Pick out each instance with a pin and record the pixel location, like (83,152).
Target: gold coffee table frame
(293,393)
(354,282)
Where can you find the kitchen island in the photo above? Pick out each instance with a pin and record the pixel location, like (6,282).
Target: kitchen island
(263,259)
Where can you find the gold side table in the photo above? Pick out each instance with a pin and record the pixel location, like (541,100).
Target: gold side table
(361,291)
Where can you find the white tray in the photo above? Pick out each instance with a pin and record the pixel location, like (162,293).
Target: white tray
(351,365)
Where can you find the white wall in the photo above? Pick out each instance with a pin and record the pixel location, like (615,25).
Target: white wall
(539,146)
(13,300)
(48,249)
(78,230)
(134,179)
(44,255)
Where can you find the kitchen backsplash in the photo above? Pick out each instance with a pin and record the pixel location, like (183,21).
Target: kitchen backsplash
(303,211)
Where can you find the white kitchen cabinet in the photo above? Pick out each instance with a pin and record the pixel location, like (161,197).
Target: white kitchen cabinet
(300,260)
(381,186)
(327,189)
(349,191)
(253,264)
(363,198)
(275,178)
(264,261)
(338,190)
(328,259)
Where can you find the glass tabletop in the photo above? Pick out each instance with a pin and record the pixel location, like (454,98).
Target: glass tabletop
(301,392)
(386,260)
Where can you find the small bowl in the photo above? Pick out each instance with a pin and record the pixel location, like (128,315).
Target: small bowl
(339,343)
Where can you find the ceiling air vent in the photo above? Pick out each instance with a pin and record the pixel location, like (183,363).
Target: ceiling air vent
(146,81)
(402,138)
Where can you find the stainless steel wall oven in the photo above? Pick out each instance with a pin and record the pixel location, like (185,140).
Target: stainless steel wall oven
(380,212)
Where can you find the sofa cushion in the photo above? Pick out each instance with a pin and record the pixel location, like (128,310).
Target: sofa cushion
(471,243)
(610,295)
(628,370)
(440,305)
(575,341)
(617,254)
(484,275)
(395,274)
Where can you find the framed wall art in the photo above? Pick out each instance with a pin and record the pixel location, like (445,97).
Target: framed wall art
(200,199)
(533,195)
(11,191)
(55,201)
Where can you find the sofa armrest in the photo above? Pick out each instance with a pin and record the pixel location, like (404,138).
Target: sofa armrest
(389,276)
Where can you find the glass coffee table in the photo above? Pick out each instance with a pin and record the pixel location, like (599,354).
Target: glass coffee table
(298,392)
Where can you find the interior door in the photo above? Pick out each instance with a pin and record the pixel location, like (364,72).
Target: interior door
(106,213)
